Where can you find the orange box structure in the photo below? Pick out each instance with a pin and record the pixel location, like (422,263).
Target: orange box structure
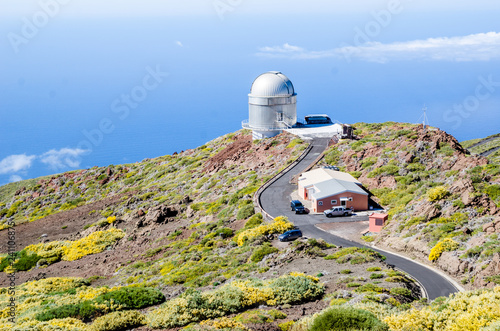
(377,222)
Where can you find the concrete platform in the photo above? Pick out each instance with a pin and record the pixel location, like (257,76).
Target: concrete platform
(316,131)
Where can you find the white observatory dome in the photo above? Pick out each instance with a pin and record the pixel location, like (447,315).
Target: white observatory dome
(272,84)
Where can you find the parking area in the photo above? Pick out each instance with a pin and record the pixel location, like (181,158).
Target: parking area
(351,231)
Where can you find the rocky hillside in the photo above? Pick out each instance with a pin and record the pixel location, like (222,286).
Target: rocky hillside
(174,241)
(443,202)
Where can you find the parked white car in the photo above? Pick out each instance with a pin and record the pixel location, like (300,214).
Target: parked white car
(338,211)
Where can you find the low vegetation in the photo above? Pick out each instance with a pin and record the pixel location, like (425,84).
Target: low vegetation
(212,264)
(438,197)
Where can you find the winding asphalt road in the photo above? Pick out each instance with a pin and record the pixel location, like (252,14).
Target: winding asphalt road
(275,200)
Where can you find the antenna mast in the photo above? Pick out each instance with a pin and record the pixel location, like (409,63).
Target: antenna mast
(425,118)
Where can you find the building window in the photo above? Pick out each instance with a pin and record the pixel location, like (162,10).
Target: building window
(350,199)
(334,202)
(379,222)
(320,203)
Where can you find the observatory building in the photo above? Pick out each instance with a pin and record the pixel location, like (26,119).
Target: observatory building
(272,105)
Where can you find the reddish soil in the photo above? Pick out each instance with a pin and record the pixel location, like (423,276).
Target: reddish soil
(73,220)
(126,251)
(232,153)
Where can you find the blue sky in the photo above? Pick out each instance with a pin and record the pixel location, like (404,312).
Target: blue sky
(87,83)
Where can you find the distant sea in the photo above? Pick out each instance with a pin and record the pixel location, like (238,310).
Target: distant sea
(70,80)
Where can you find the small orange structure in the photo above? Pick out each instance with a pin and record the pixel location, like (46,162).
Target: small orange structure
(377,222)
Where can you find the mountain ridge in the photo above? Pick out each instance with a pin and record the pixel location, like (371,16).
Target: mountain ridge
(185,226)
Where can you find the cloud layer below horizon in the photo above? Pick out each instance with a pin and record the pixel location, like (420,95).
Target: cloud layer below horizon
(474,47)
(64,158)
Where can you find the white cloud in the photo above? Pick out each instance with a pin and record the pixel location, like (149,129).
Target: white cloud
(178,43)
(63,158)
(15,178)
(15,163)
(475,47)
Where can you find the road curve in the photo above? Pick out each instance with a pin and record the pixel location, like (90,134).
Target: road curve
(275,200)
(490,151)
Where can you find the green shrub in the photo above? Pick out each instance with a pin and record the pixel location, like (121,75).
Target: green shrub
(333,156)
(347,319)
(472,252)
(259,316)
(133,297)
(245,212)
(254,221)
(415,220)
(368,162)
(117,321)
(387,170)
(376,276)
(345,271)
(4,264)
(355,255)
(262,251)
(415,167)
(322,244)
(353,284)
(26,261)
(276,314)
(494,279)
(59,313)
(370,288)
(493,191)
(372,269)
(368,239)
(401,291)
(194,306)
(127,297)
(224,233)
(339,302)
(356,174)
(397,279)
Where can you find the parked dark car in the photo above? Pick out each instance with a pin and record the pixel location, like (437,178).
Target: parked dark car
(290,235)
(298,207)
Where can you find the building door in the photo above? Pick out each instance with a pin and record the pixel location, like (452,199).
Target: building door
(343,203)
(280,117)
(309,192)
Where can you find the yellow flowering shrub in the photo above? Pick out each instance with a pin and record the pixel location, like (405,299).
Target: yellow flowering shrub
(56,284)
(50,250)
(90,293)
(225,323)
(301,274)
(120,320)
(446,244)
(280,225)
(286,326)
(66,324)
(252,294)
(94,243)
(111,219)
(437,193)
(37,296)
(469,311)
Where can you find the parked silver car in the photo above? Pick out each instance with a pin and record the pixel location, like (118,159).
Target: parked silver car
(338,211)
